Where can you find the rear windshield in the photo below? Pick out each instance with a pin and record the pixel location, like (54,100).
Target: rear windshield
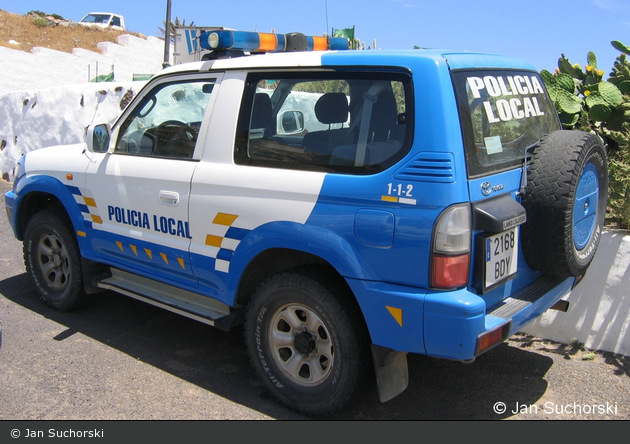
(503,113)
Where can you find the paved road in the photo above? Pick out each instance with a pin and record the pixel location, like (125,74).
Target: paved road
(121,359)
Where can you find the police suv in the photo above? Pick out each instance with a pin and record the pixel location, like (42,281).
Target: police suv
(349,207)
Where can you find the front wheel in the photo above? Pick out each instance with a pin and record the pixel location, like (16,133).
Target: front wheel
(53,261)
(305,344)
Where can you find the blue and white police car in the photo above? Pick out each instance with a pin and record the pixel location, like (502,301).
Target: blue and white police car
(349,207)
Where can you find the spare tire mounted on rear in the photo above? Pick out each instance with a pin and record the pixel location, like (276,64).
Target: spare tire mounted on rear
(566,203)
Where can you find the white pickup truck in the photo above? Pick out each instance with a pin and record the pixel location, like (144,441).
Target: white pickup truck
(104,20)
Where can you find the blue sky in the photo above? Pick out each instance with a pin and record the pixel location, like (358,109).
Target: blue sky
(534,30)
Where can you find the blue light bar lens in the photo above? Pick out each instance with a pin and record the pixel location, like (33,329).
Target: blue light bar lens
(282,42)
(224,39)
(337,43)
(247,41)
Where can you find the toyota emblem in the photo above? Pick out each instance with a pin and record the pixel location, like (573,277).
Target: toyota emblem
(486,188)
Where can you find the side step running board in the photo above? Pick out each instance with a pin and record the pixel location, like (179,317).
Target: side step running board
(186,303)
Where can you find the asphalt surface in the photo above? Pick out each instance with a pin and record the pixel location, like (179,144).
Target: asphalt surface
(120,359)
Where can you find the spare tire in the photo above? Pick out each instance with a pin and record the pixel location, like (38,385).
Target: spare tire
(565,199)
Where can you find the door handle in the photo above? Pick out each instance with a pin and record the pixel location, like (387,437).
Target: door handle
(170,198)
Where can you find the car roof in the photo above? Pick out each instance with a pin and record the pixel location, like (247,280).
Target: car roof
(101,13)
(382,58)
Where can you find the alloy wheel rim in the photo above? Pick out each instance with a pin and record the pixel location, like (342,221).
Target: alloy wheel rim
(52,260)
(301,345)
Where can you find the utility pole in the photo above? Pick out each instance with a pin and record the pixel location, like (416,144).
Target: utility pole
(167,35)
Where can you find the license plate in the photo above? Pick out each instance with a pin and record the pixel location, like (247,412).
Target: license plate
(501,253)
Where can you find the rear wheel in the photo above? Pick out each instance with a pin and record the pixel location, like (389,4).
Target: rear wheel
(307,346)
(53,261)
(565,202)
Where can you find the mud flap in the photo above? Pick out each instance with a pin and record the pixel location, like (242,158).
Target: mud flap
(392,375)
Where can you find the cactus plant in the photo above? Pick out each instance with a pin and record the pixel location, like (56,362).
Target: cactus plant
(620,74)
(610,93)
(620,47)
(585,101)
(565,82)
(592,59)
(565,67)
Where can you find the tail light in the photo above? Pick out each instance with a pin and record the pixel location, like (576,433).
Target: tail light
(493,337)
(450,255)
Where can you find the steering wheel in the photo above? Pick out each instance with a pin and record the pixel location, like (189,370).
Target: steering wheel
(182,145)
(168,126)
(165,132)
(171,123)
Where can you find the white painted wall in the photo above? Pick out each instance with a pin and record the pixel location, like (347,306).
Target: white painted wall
(599,307)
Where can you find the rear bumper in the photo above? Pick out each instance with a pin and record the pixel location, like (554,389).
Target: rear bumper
(456,337)
(449,324)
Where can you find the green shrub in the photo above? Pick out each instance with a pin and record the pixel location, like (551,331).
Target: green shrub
(40,21)
(38,13)
(43,15)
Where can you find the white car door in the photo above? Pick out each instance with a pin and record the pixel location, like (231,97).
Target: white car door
(141,187)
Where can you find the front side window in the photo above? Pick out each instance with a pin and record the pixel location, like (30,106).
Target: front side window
(166,122)
(503,113)
(346,122)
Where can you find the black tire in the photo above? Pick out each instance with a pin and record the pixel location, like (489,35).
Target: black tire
(566,203)
(53,261)
(308,346)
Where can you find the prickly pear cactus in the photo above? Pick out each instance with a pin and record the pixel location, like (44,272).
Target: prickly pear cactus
(565,67)
(618,135)
(566,82)
(592,59)
(620,47)
(610,93)
(585,101)
(620,74)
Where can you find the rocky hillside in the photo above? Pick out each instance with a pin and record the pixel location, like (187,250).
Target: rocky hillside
(24,32)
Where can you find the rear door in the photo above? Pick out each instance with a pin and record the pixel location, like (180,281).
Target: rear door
(504,114)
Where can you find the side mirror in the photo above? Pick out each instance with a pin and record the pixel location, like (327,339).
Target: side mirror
(97,138)
(292,122)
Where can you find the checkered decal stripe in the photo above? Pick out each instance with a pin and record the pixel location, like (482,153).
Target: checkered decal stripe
(224,238)
(87,205)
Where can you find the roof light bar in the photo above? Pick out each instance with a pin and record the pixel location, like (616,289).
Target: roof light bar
(265,42)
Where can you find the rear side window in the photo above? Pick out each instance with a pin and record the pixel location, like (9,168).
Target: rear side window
(503,113)
(347,122)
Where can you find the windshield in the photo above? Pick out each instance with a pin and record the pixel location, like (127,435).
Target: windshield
(96,18)
(503,113)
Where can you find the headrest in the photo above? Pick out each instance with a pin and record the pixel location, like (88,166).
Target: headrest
(261,113)
(332,108)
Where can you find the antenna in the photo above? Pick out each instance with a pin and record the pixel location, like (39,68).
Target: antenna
(326,6)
